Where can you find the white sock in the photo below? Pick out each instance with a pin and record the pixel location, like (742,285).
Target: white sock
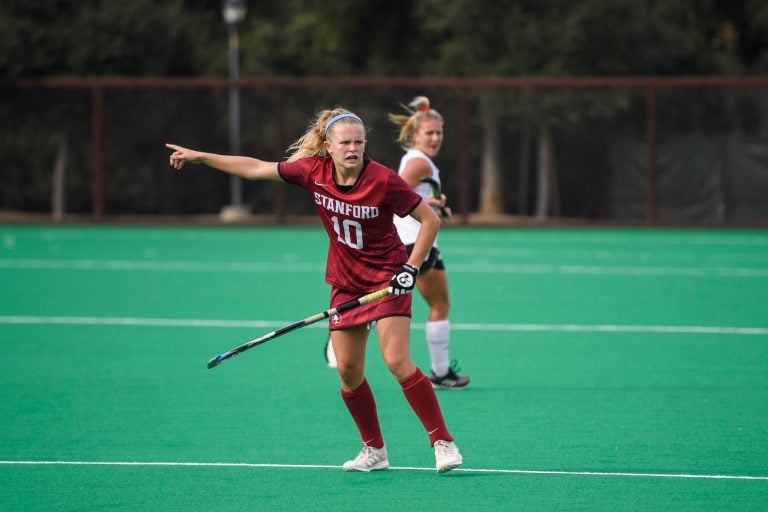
(438,338)
(330,355)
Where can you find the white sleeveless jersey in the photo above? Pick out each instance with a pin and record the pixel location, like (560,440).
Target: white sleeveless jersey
(408,227)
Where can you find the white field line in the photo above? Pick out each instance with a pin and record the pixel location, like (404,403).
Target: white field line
(269,324)
(461,268)
(607,270)
(163,266)
(403,468)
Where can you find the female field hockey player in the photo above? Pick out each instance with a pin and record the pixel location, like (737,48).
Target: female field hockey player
(421,136)
(356,199)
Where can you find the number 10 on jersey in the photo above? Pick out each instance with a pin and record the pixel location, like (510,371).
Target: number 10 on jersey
(349,232)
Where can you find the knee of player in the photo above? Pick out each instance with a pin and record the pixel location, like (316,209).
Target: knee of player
(438,310)
(350,374)
(400,365)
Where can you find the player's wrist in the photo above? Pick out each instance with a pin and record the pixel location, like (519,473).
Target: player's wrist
(411,268)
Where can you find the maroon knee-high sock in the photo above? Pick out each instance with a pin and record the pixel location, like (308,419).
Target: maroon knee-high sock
(420,394)
(362,407)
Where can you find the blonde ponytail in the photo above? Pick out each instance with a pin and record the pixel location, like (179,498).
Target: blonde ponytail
(418,110)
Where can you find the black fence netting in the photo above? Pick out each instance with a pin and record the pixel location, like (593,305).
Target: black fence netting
(692,156)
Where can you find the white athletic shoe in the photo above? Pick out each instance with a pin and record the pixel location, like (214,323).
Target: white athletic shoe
(369,459)
(447,456)
(330,356)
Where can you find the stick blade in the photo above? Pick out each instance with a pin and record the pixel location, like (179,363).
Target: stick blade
(215,361)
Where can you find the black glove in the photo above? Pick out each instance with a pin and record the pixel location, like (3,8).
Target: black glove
(403,282)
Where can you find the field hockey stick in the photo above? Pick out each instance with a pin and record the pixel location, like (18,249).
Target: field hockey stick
(366,299)
(436,192)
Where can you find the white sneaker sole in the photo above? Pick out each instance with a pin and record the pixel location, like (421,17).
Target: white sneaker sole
(445,467)
(376,467)
(442,386)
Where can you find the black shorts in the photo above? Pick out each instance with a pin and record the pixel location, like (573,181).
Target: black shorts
(434,259)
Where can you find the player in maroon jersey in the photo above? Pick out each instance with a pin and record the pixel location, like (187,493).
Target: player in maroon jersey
(356,199)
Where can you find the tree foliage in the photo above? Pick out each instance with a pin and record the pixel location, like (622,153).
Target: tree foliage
(405,37)
(103,37)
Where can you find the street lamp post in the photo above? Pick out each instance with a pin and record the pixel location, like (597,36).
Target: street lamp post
(233,12)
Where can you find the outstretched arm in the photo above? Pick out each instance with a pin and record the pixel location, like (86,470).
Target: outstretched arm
(243,166)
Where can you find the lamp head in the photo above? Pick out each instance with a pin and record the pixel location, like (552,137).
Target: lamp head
(233,11)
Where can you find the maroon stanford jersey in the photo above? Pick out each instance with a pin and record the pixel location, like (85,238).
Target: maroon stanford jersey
(364,250)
